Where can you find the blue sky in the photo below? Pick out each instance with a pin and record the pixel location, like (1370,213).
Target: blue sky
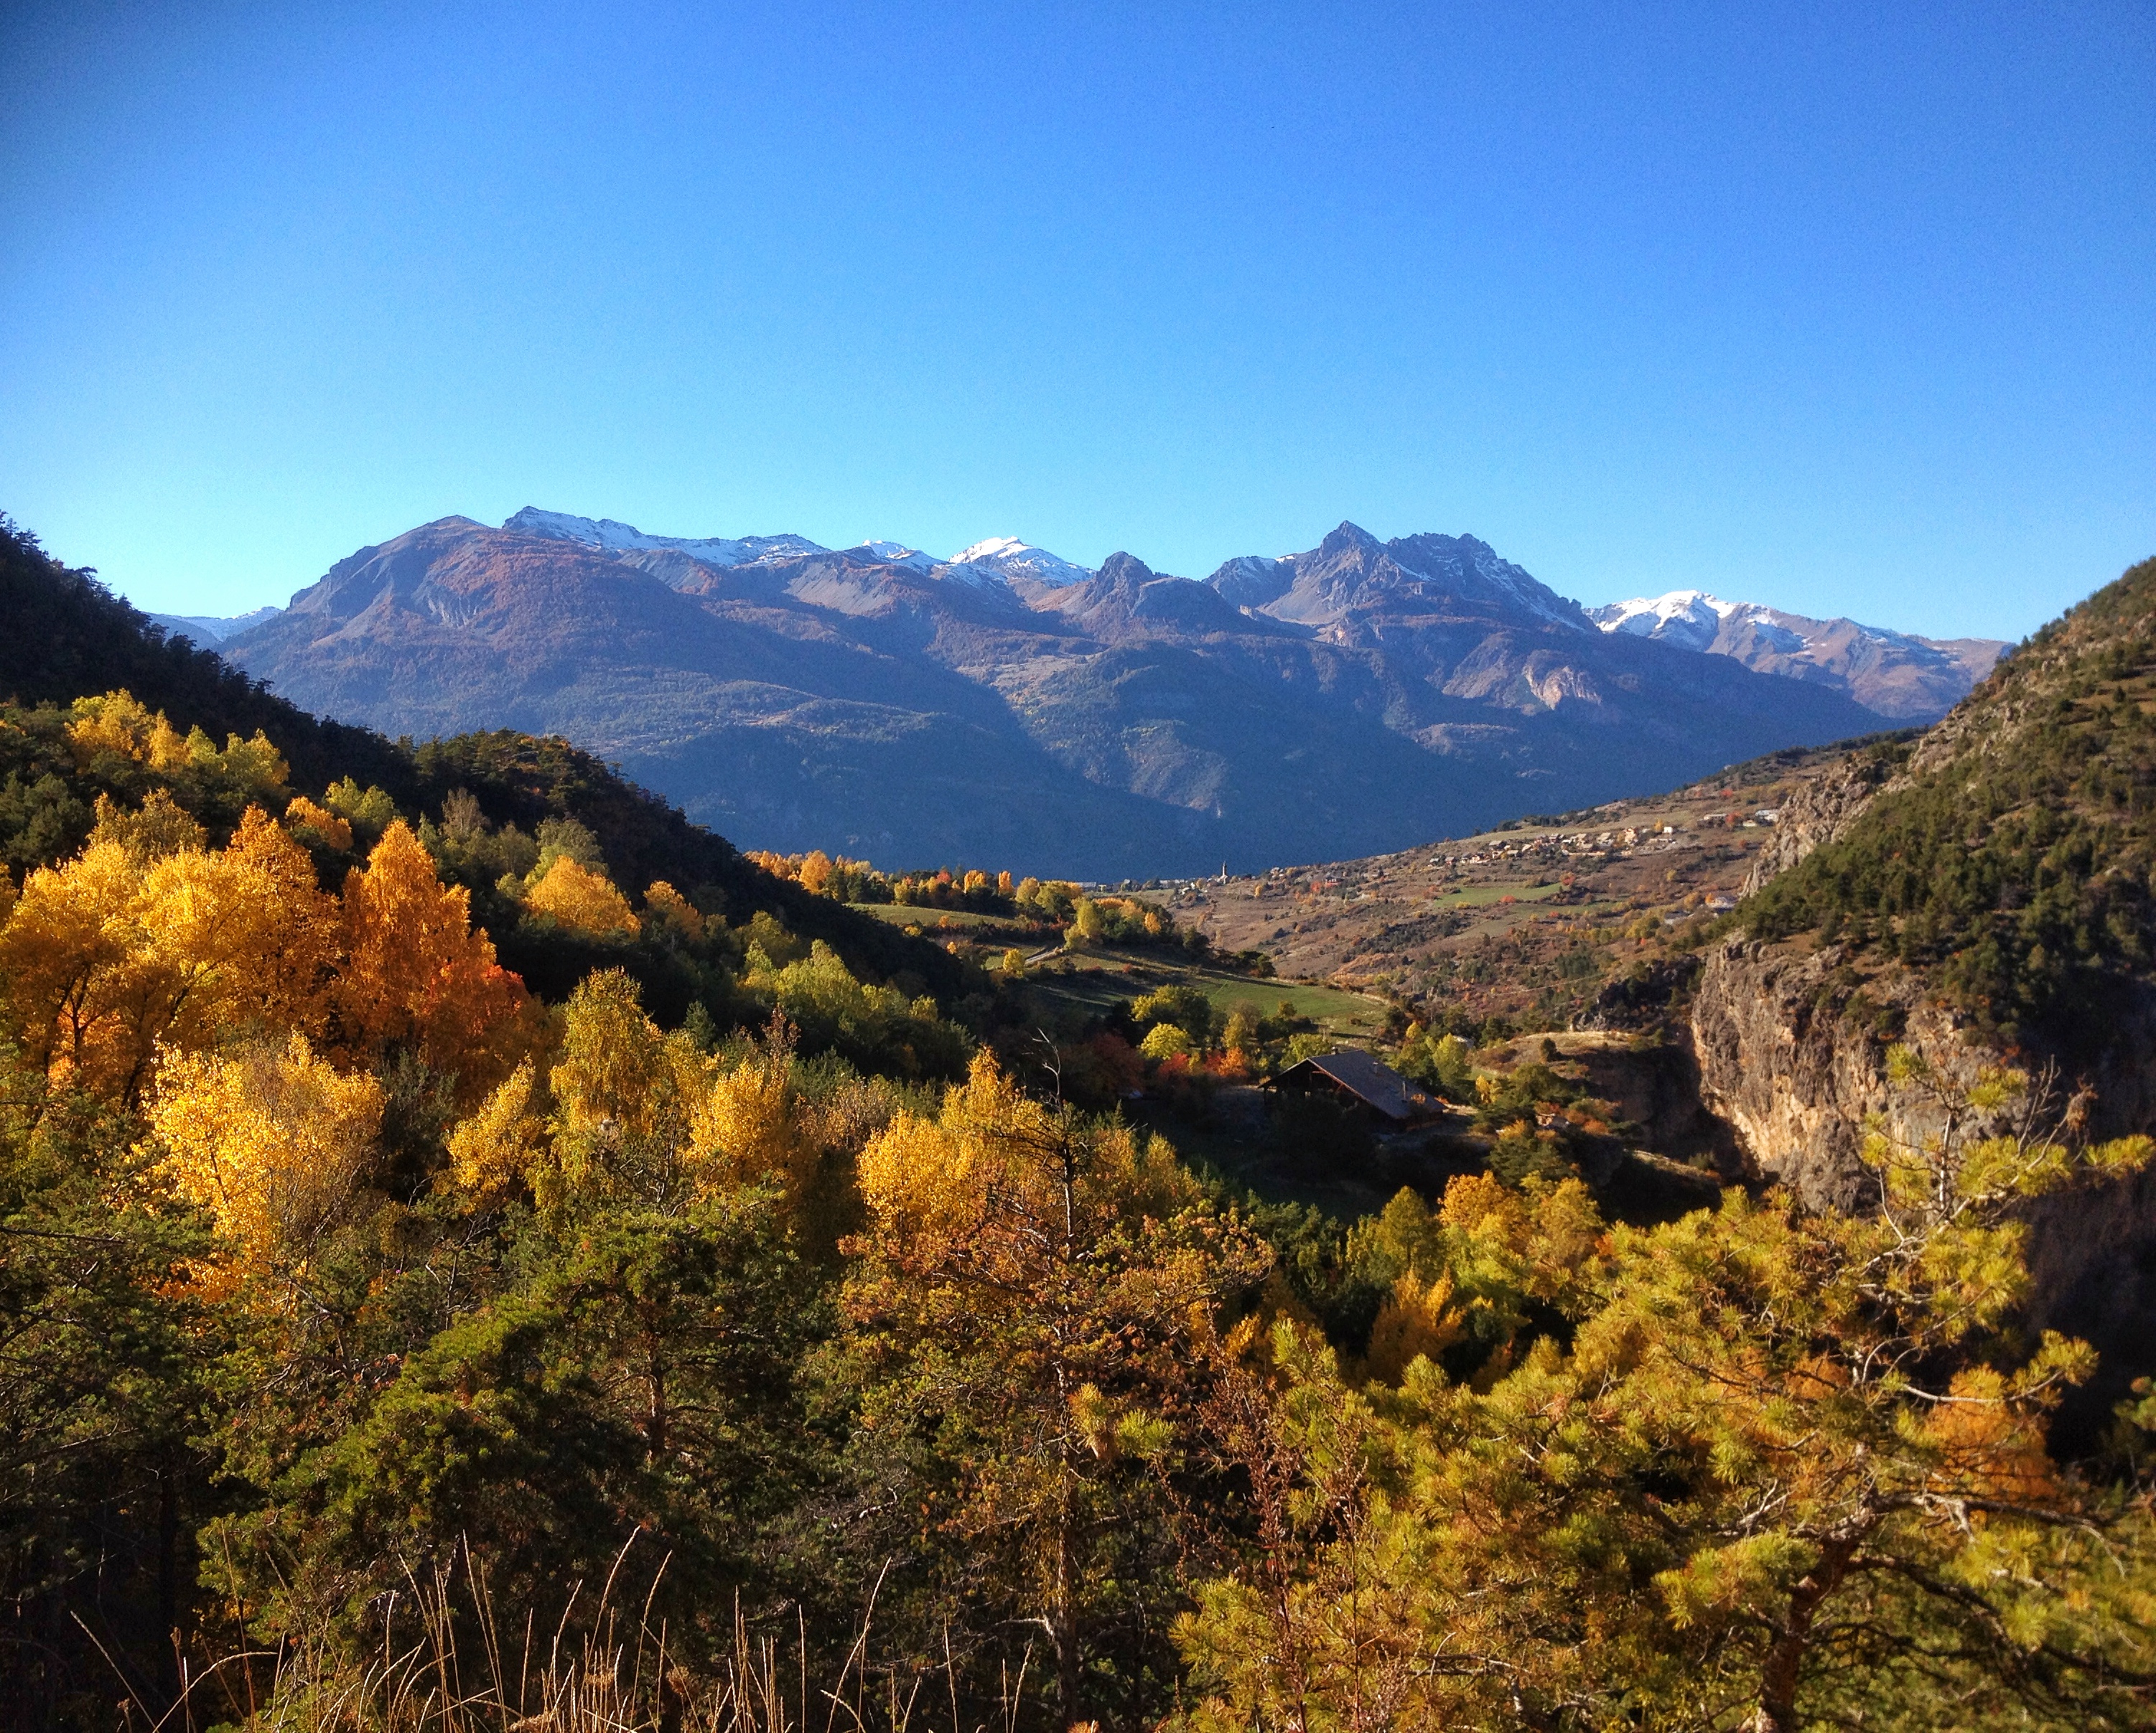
(1850,309)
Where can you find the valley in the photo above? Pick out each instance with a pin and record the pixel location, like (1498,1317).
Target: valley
(483,1160)
(1533,921)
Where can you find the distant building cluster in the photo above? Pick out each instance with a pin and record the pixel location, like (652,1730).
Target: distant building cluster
(1578,844)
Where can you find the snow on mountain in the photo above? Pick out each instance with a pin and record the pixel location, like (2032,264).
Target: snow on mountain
(1007,557)
(1690,618)
(1897,673)
(1696,620)
(606,532)
(897,553)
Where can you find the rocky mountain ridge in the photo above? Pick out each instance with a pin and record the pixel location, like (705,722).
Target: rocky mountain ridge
(1981,895)
(1897,673)
(877,701)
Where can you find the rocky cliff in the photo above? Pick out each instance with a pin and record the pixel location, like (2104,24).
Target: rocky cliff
(1983,897)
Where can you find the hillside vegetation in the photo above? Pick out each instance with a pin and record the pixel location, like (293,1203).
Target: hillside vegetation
(2008,855)
(454,1277)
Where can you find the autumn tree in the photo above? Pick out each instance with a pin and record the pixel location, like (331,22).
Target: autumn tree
(666,908)
(272,1142)
(1038,1287)
(417,976)
(493,1150)
(1787,1466)
(581,897)
(113,953)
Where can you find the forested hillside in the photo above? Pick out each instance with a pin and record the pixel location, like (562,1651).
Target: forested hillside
(473,1256)
(2008,855)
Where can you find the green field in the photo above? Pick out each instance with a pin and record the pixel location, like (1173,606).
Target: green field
(1096,980)
(1479,896)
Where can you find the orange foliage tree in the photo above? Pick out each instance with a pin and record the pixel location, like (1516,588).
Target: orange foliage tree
(576,896)
(417,976)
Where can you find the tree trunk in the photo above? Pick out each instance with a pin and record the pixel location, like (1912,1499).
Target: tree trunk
(655,1423)
(168,1577)
(1784,1668)
(1063,1622)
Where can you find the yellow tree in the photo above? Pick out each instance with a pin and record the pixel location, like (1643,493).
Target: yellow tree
(666,906)
(577,897)
(108,956)
(273,1142)
(1042,1288)
(647,1116)
(417,976)
(68,956)
(116,724)
(492,1153)
(749,1127)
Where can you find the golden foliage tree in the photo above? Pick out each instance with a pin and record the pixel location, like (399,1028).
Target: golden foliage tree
(118,724)
(1045,1286)
(272,1141)
(317,826)
(667,907)
(578,896)
(645,1115)
(152,831)
(749,1126)
(492,1152)
(625,1092)
(417,976)
(104,960)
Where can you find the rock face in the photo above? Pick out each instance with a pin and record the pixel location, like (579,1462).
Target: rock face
(1793,1060)
(1792,1073)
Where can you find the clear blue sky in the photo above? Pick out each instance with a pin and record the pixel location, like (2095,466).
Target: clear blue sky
(1851,309)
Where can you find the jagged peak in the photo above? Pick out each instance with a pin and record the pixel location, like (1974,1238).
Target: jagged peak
(1349,537)
(1120,567)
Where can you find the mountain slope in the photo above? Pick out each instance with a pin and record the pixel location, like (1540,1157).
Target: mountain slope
(1896,673)
(74,638)
(1110,724)
(1984,895)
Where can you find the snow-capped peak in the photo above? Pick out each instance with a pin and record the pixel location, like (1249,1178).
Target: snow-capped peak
(606,532)
(1007,557)
(1690,618)
(897,553)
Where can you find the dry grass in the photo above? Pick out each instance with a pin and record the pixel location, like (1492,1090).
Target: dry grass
(621,1677)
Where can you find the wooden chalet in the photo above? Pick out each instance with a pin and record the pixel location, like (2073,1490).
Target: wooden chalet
(1355,1080)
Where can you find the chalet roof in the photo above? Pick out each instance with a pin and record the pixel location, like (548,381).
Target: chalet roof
(1371,1080)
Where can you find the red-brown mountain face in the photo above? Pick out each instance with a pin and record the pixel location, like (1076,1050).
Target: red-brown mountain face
(1356,697)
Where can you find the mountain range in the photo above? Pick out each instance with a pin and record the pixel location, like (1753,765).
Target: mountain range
(1896,673)
(1011,707)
